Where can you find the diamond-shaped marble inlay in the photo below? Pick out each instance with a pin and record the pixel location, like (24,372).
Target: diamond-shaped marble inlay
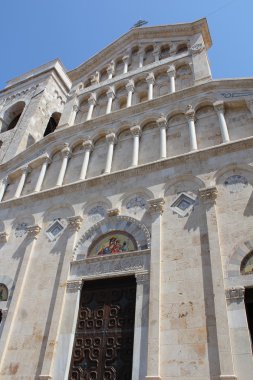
(183,204)
(54,230)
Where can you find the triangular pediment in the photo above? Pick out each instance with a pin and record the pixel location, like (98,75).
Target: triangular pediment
(141,37)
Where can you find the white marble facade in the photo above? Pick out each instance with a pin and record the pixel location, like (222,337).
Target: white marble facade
(138,139)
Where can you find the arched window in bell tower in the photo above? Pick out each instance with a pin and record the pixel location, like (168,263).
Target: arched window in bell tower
(12,115)
(52,123)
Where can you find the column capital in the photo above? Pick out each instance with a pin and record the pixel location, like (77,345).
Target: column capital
(250,105)
(136,130)
(3,237)
(190,113)
(156,206)
(75,108)
(74,222)
(92,99)
(130,86)
(46,159)
(110,93)
(74,286)
(235,294)
(141,277)
(95,78)
(161,121)
(111,67)
(33,231)
(25,169)
(66,152)
(208,194)
(111,138)
(5,180)
(126,58)
(219,106)
(88,145)
(171,71)
(150,79)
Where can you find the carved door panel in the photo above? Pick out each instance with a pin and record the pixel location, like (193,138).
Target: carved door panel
(103,346)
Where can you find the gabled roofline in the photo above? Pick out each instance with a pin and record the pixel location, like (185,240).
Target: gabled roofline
(138,34)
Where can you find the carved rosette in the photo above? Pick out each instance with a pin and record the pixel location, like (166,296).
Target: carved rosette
(3,237)
(33,231)
(141,277)
(235,294)
(74,286)
(209,194)
(113,212)
(156,206)
(74,223)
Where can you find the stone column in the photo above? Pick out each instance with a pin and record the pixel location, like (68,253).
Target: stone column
(126,59)
(190,115)
(150,81)
(66,153)
(136,133)
(92,103)
(16,305)
(46,161)
(110,96)
(74,224)
(154,354)
(130,91)
(88,147)
(140,324)
(21,183)
(141,57)
(111,139)
(172,74)
(208,198)
(156,53)
(4,184)
(162,124)
(72,118)
(219,108)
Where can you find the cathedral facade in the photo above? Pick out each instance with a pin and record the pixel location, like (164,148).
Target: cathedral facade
(126,215)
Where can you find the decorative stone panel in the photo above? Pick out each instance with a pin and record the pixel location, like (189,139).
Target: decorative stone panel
(183,204)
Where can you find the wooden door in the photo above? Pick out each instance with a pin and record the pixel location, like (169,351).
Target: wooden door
(103,346)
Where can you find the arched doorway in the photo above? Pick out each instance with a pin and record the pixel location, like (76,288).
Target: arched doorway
(103,346)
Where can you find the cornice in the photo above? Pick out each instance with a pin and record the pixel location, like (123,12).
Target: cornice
(138,35)
(82,186)
(105,121)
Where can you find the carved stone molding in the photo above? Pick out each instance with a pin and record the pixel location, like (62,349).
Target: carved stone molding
(136,130)
(74,286)
(190,113)
(113,212)
(197,48)
(3,237)
(208,194)
(161,121)
(75,222)
(141,277)
(235,294)
(156,206)
(33,231)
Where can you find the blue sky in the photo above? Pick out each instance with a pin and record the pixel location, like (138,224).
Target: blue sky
(34,32)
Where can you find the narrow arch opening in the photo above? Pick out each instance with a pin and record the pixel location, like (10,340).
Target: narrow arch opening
(52,123)
(3,292)
(12,116)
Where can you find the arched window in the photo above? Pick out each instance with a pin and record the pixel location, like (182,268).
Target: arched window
(247,264)
(3,292)
(52,123)
(112,243)
(12,116)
